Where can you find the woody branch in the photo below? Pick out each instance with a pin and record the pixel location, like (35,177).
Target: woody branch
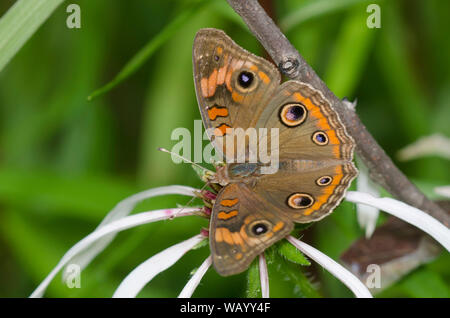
(381,168)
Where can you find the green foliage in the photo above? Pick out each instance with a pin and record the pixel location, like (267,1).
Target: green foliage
(290,279)
(65,162)
(253,281)
(20,23)
(147,51)
(291,253)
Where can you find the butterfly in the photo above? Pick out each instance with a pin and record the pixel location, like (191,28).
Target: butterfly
(253,210)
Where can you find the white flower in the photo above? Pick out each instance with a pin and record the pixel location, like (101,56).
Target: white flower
(433,145)
(367,215)
(192,284)
(443,191)
(263,276)
(352,282)
(141,275)
(117,220)
(407,213)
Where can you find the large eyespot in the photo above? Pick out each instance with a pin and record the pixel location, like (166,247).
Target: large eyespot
(246,81)
(293,114)
(324,181)
(300,200)
(259,227)
(320,138)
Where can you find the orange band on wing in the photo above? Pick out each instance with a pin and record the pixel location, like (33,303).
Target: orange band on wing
(212,85)
(209,85)
(278,226)
(221,130)
(225,216)
(229,202)
(231,238)
(253,67)
(237,97)
(263,76)
(216,111)
(224,235)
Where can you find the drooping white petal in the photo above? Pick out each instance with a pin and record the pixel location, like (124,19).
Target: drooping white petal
(337,270)
(141,275)
(263,276)
(443,190)
(124,208)
(192,284)
(433,145)
(407,213)
(367,215)
(108,229)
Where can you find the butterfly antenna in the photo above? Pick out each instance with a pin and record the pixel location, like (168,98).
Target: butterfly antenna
(185,160)
(189,202)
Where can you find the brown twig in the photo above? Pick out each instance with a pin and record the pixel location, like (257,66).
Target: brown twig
(381,168)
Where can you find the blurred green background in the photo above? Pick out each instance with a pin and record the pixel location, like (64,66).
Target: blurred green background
(65,162)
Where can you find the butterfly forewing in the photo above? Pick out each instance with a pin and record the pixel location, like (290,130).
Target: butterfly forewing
(232,85)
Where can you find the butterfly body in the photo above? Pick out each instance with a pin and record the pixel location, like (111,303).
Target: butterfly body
(313,163)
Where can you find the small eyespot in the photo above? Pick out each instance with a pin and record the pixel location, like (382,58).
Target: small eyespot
(216,58)
(293,115)
(320,138)
(245,79)
(324,181)
(300,200)
(259,227)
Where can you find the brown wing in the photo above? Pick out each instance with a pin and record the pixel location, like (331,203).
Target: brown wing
(304,190)
(304,118)
(233,86)
(315,154)
(243,224)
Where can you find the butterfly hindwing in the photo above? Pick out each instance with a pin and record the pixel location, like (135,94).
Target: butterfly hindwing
(315,154)
(242,226)
(308,127)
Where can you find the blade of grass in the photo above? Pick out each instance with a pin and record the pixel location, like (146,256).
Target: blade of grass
(350,53)
(313,9)
(147,51)
(170,103)
(19,23)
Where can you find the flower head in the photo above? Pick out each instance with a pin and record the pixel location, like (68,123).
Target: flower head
(119,219)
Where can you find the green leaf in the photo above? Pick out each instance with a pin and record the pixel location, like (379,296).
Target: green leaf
(302,284)
(287,274)
(147,51)
(253,281)
(425,283)
(291,253)
(20,23)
